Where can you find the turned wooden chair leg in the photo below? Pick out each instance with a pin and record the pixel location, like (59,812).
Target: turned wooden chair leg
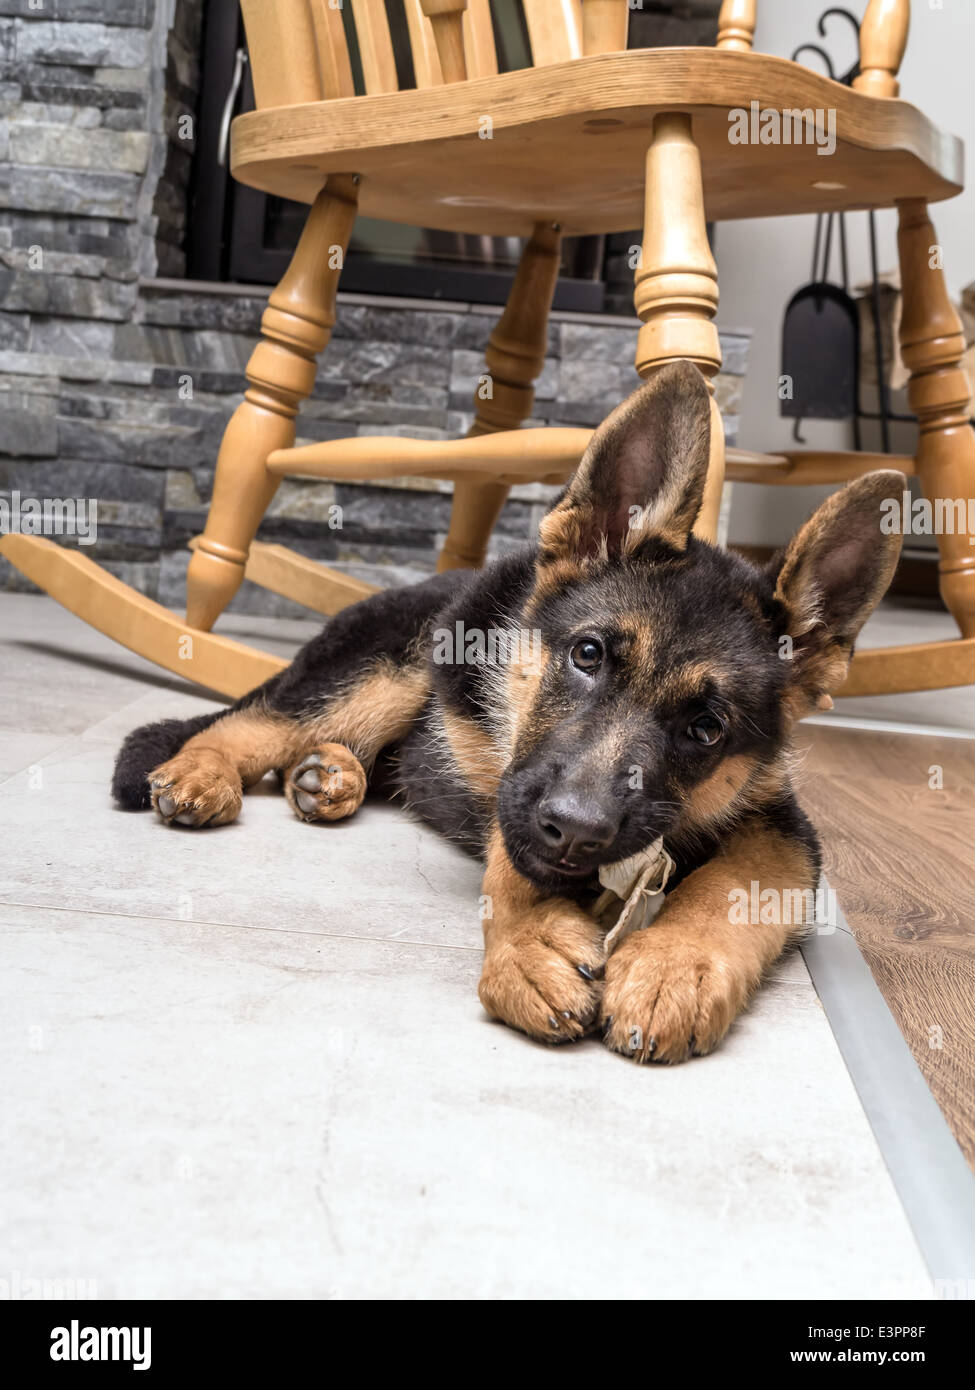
(515,355)
(933,343)
(296,326)
(676,284)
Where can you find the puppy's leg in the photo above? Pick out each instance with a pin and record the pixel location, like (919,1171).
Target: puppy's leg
(203,784)
(543,956)
(675,988)
(326,779)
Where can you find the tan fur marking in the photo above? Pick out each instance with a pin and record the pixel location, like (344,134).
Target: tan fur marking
(557,575)
(687,682)
(533,948)
(638,635)
(522,687)
(823,672)
(378,709)
(560,532)
(678,986)
(716,795)
(509,890)
(477,758)
(690,679)
(252,742)
(669,683)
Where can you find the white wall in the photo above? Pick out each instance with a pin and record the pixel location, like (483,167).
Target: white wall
(762,262)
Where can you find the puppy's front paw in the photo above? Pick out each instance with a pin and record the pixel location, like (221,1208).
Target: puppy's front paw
(198,787)
(671,994)
(328,783)
(545,978)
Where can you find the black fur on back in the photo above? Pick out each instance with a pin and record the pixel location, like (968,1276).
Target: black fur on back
(385,626)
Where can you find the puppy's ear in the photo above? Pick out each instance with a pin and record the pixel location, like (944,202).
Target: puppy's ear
(833,574)
(642,475)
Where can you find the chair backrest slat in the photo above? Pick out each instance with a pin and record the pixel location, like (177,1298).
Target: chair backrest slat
(299,49)
(604,25)
(482,57)
(426,64)
(283,52)
(554,30)
(333,51)
(447,21)
(375,46)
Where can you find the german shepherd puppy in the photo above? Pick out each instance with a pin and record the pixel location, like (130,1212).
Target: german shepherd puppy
(655,695)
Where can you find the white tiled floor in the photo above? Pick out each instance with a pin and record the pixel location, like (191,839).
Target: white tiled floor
(252,1062)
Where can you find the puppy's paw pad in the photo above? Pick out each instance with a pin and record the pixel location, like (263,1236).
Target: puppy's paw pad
(328,783)
(196,788)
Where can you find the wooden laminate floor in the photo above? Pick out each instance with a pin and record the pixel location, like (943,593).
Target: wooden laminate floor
(896,814)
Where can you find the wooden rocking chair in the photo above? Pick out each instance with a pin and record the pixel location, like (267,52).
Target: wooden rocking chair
(591,139)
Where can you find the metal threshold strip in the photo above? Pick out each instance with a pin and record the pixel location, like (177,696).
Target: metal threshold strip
(888,726)
(935,1185)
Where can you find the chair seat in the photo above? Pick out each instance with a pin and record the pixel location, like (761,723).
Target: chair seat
(568,143)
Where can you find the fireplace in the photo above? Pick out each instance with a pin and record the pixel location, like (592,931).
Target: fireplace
(240,234)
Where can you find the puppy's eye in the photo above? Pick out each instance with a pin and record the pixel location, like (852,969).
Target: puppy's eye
(587,655)
(706,729)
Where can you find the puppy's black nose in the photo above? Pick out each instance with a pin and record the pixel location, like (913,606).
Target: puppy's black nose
(574,826)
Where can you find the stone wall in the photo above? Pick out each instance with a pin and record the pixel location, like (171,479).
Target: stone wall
(116,385)
(95,149)
(135,417)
